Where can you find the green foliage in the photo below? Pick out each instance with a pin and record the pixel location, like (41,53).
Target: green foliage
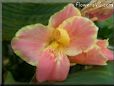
(17,15)
(9,78)
(95,75)
(106,29)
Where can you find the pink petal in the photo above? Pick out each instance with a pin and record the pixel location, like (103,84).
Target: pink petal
(108,53)
(82,32)
(60,16)
(101,14)
(29,41)
(45,66)
(61,68)
(52,68)
(92,57)
(100,9)
(103,44)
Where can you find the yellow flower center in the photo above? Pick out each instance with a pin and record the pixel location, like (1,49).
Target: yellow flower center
(60,39)
(61,36)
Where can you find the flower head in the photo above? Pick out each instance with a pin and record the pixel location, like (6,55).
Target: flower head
(48,47)
(99,10)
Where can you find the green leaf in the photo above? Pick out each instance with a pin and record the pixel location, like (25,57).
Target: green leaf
(17,15)
(9,78)
(107,23)
(106,30)
(95,75)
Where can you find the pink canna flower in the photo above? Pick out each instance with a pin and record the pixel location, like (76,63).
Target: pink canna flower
(99,10)
(48,47)
(96,56)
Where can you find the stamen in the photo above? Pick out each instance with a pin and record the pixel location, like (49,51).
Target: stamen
(61,36)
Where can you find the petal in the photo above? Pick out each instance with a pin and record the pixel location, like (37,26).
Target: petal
(61,68)
(82,33)
(60,16)
(101,13)
(92,57)
(29,41)
(101,9)
(108,53)
(45,66)
(52,67)
(102,43)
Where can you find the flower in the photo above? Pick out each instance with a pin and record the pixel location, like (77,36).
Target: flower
(98,10)
(49,47)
